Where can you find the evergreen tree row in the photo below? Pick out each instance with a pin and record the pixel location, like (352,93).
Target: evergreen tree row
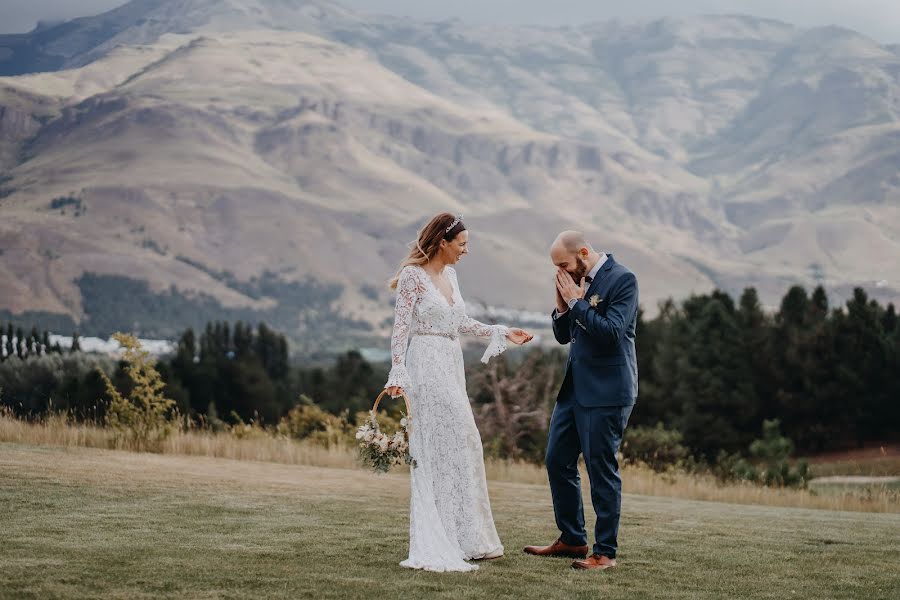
(715,370)
(710,368)
(15,342)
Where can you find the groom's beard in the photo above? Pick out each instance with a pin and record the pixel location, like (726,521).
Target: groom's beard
(580,270)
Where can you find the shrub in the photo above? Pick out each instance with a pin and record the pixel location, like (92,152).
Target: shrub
(146,417)
(773,451)
(657,447)
(769,464)
(734,467)
(306,421)
(246,431)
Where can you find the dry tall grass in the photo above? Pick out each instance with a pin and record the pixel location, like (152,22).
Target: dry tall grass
(253,443)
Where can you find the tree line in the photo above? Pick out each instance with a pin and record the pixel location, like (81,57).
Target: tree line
(14,341)
(234,372)
(715,370)
(712,370)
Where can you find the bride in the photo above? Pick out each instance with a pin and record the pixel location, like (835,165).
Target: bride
(450,518)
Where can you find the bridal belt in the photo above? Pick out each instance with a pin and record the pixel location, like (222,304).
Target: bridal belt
(450,336)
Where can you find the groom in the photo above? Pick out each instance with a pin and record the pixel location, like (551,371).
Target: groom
(596,312)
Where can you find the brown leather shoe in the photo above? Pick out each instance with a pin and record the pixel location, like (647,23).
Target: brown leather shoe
(595,561)
(558,548)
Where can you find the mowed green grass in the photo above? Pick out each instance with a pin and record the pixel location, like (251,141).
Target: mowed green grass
(88,523)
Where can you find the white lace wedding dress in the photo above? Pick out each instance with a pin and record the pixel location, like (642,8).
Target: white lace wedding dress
(450,518)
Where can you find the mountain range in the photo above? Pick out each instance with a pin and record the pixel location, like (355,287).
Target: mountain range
(176,160)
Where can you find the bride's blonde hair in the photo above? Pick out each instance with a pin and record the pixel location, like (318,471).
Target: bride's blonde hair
(444,226)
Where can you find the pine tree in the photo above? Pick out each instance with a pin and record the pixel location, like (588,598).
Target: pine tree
(20,343)
(788,355)
(709,396)
(226,339)
(805,356)
(272,351)
(219,343)
(863,376)
(76,345)
(207,348)
(10,350)
(34,342)
(243,340)
(756,337)
(819,303)
(187,347)
(889,322)
(892,414)
(794,308)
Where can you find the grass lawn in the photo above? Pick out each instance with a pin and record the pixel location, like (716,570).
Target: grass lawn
(91,523)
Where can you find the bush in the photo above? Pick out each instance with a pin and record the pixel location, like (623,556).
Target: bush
(773,452)
(145,417)
(306,421)
(657,447)
(246,431)
(769,463)
(734,467)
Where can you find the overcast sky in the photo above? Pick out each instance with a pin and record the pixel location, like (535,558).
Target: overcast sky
(879,19)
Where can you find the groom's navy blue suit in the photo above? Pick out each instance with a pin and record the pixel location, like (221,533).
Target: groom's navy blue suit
(596,398)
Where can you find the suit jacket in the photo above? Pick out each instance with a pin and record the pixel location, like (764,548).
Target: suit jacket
(602,367)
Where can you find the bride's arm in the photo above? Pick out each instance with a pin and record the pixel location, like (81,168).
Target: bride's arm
(470,326)
(408,290)
(498,335)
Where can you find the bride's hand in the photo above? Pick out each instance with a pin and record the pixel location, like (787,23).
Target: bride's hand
(394,391)
(519,336)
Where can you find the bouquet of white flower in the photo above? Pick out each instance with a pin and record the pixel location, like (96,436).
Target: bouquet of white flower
(381,451)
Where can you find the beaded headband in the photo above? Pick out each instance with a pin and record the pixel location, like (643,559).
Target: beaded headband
(454,223)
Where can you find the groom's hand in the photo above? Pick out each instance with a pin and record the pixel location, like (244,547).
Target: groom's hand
(561,305)
(567,288)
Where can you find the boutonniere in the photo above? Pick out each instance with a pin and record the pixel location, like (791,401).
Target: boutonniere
(595,300)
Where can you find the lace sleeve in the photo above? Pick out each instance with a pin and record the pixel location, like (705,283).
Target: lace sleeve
(409,288)
(470,326)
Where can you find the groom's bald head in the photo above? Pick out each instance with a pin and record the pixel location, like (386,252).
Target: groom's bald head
(572,252)
(571,241)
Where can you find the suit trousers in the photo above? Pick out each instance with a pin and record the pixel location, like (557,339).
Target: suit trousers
(596,433)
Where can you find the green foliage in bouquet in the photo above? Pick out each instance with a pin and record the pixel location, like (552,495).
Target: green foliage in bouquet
(380,451)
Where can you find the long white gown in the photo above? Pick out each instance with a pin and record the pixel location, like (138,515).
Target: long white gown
(450,518)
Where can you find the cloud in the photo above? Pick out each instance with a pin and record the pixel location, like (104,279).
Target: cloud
(879,19)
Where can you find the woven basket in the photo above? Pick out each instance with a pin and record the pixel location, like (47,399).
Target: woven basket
(405,399)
